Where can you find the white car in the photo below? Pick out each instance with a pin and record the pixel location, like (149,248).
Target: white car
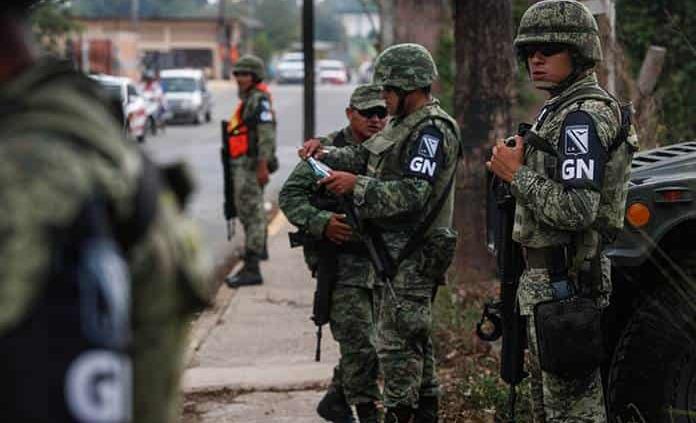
(134,107)
(186,94)
(290,68)
(332,72)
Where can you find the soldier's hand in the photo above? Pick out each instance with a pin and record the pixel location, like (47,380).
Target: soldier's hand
(506,160)
(336,230)
(340,183)
(262,173)
(309,148)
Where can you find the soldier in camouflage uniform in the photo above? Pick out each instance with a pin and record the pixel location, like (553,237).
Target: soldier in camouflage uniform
(352,316)
(401,181)
(99,271)
(570,186)
(251,169)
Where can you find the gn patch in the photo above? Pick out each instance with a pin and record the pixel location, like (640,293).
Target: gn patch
(426,159)
(265,111)
(583,155)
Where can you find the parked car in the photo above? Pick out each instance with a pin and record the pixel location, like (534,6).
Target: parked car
(290,68)
(186,95)
(134,107)
(332,72)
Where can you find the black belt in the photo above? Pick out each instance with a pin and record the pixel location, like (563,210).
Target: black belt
(554,259)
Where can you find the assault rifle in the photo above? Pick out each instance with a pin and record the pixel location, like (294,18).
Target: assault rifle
(229,208)
(503,316)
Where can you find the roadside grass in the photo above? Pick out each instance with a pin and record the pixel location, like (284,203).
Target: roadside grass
(468,367)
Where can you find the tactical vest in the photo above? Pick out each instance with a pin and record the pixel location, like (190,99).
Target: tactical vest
(609,220)
(240,130)
(389,166)
(69,360)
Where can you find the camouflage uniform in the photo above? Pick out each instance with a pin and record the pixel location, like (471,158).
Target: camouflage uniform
(60,149)
(403,171)
(352,315)
(248,194)
(572,199)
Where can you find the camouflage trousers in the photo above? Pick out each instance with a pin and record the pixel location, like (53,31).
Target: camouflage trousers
(248,199)
(405,346)
(556,400)
(353,326)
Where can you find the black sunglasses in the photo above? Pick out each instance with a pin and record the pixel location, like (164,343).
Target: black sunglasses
(241,73)
(378,111)
(546,50)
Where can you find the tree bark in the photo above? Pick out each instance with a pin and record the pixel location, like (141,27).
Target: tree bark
(483,102)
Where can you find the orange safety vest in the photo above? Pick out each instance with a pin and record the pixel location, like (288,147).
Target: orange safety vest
(238,130)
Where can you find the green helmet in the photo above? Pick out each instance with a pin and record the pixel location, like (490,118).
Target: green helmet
(252,64)
(405,66)
(561,21)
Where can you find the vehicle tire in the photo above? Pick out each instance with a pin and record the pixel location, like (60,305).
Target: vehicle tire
(197,119)
(151,126)
(141,138)
(208,116)
(652,377)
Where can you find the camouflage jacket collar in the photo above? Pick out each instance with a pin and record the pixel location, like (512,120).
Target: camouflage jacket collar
(588,81)
(348,136)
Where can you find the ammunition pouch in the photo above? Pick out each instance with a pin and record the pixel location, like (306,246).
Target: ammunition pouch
(438,252)
(273,164)
(569,336)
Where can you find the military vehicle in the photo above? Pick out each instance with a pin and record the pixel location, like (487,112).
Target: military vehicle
(651,323)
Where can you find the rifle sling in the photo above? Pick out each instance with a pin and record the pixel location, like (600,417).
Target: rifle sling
(416,239)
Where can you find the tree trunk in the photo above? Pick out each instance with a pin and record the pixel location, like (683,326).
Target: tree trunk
(483,102)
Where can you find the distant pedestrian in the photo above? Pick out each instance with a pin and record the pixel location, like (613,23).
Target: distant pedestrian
(99,270)
(252,131)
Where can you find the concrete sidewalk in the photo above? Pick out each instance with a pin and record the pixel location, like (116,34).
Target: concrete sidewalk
(252,359)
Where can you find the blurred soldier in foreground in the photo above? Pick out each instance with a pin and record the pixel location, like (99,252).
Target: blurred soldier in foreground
(328,238)
(252,145)
(402,182)
(568,175)
(99,272)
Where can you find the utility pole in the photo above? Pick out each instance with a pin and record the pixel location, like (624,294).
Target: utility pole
(308,44)
(135,14)
(224,37)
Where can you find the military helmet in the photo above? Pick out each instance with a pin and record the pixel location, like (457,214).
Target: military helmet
(252,64)
(564,22)
(406,66)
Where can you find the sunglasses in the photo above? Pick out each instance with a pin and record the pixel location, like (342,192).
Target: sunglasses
(380,112)
(546,50)
(241,73)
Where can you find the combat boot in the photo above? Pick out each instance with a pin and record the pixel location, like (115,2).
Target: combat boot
(427,410)
(334,407)
(367,412)
(399,414)
(250,274)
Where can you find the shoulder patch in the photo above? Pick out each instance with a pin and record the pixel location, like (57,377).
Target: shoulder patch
(265,111)
(583,156)
(425,160)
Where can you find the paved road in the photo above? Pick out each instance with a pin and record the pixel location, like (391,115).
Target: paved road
(199,147)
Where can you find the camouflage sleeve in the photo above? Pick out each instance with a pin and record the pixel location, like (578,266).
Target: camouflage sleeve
(261,113)
(352,158)
(376,198)
(170,283)
(294,201)
(552,203)
(328,140)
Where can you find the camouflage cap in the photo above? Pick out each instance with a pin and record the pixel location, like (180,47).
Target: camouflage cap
(406,66)
(561,21)
(252,64)
(366,97)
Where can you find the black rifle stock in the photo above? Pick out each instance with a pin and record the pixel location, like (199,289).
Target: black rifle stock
(229,209)
(503,314)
